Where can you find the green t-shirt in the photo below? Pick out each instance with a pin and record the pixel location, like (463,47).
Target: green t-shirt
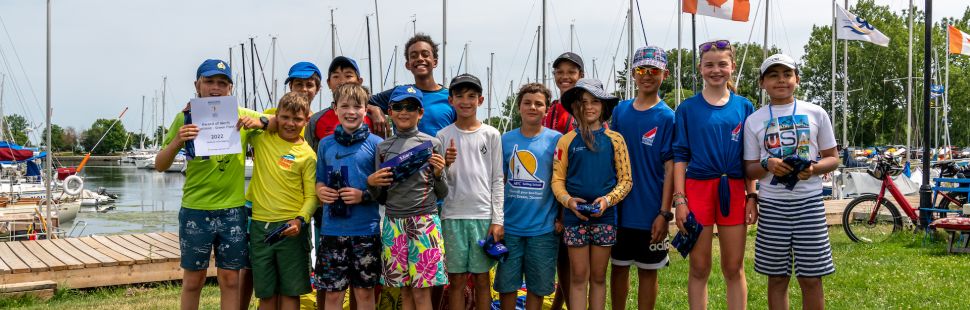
(217,182)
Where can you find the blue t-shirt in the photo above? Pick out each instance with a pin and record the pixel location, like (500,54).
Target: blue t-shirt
(648,135)
(710,138)
(355,163)
(530,209)
(438,113)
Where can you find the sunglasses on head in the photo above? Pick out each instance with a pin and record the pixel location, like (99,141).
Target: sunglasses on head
(719,44)
(405,106)
(643,70)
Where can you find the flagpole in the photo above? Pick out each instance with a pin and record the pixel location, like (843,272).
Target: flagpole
(693,54)
(946,90)
(629,59)
(680,53)
(845,87)
(909,89)
(834,115)
(924,189)
(761,92)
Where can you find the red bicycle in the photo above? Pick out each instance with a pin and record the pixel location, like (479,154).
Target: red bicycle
(872,217)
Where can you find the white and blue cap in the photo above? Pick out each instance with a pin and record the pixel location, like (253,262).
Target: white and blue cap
(650,56)
(779,59)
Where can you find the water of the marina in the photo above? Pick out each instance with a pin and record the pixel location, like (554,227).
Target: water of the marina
(148,201)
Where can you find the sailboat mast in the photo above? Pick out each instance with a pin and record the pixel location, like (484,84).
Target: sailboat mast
(49,164)
(761,92)
(272,69)
(164,81)
(542,63)
(380,59)
(491,74)
(924,190)
(333,37)
(141,129)
(370,59)
(242,50)
(394,74)
(845,87)
(909,87)
(444,42)
(680,53)
(832,82)
(629,60)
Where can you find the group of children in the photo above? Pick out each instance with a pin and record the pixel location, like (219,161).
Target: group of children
(586,182)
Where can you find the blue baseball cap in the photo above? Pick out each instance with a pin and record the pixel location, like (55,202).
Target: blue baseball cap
(211,67)
(650,56)
(402,93)
(343,62)
(302,70)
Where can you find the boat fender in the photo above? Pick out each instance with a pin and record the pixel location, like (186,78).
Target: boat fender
(73,185)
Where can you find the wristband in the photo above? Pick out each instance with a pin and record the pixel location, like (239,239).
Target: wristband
(752,195)
(302,221)
(764,163)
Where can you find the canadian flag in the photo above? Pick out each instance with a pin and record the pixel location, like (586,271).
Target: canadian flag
(959,41)
(727,9)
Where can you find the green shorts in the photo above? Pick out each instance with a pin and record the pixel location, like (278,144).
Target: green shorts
(461,244)
(282,268)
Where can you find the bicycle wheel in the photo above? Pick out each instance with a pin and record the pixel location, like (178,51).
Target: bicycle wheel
(946,204)
(856,223)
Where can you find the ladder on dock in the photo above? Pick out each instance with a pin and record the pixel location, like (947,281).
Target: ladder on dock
(93,261)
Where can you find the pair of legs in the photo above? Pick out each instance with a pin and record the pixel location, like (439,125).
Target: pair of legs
(414,298)
(812,293)
(588,276)
(245,288)
(456,290)
(364,298)
(731,240)
(562,272)
(620,287)
(280,302)
(194,280)
(532,301)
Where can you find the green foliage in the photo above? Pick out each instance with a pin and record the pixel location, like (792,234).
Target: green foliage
(113,142)
(58,141)
(876,78)
(502,123)
(16,126)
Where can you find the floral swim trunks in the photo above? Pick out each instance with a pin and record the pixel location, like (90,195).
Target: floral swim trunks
(413,252)
(589,234)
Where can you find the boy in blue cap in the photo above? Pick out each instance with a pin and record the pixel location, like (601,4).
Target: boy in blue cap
(647,124)
(421,57)
(212,216)
(413,249)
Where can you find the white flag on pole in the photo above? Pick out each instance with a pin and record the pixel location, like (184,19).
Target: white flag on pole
(852,27)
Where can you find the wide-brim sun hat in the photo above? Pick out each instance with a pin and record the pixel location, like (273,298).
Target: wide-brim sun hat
(595,88)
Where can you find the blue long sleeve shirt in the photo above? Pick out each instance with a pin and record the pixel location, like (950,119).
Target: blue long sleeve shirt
(710,138)
(355,162)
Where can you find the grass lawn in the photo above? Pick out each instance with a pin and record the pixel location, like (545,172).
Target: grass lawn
(900,274)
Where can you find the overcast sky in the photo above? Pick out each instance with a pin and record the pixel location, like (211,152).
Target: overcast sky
(107,54)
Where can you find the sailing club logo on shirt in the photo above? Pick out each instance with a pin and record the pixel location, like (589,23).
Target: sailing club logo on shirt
(736,133)
(484,149)
(522,170)
(648,137)
(286,161)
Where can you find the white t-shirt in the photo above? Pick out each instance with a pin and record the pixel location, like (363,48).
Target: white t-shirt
(476,186)
(803,132)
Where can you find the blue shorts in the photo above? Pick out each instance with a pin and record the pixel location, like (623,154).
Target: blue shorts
(532,257)
(201,231)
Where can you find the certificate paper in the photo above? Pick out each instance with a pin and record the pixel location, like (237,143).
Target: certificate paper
(216,118)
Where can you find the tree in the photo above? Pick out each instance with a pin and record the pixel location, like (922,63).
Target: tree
(114,141)
(16,126)
(70,139)
(510,116)
(57,139)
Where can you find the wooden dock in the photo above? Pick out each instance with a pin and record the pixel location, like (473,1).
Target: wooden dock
(93,261)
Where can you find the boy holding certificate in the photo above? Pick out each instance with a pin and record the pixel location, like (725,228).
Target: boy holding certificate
(283,196)
(212,216)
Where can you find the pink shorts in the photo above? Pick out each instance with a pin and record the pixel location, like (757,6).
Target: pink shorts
(703,201)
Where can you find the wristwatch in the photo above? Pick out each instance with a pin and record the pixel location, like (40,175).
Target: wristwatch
(751,195)
(366,197)
(667,215)
(265,121)
(764,163)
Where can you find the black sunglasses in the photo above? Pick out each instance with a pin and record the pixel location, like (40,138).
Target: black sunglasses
(719,44)
(405,106)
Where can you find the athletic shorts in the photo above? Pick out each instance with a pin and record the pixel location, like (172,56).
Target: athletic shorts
(461,242)
(282,268)
(201,231)
(633,247)
(792,232)
(589,234)
(413,252)
(531,257)
(704,202)
(344,261)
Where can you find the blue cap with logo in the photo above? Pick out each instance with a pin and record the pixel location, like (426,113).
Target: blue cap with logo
(651,56)
(211,67)
(302,70)
(405,92)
